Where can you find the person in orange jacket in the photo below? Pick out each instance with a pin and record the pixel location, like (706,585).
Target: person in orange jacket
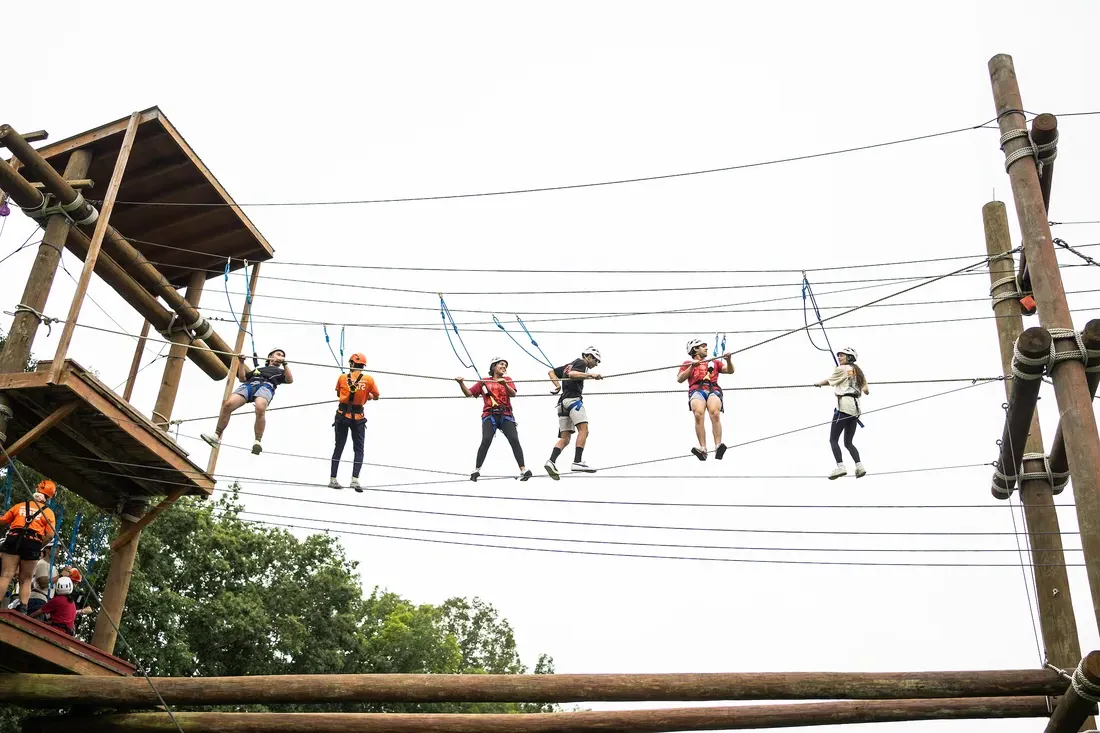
(353,390)
(30,524)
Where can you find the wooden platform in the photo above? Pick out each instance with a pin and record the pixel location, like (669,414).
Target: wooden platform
(163,168)
(105,449)
(28,645)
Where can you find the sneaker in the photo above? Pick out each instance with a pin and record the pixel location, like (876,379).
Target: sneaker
(21,608)
(355,485)
(334,484)
(526,475)
(700,453)
(476,474)
(552,469)
(838,472)
(720,452)
(582,467)
(860,470)
(256,448)
(212,440)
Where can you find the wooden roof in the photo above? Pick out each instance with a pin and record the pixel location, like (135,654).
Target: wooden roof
(28,645)
(105,450)
(164,169)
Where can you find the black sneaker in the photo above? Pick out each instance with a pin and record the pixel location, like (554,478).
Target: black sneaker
(525,475)
(476,474)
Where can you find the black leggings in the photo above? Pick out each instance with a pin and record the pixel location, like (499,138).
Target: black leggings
(847,424)
(508,427)
(358,430)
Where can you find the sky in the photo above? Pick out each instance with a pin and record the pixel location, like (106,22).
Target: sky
(350,102)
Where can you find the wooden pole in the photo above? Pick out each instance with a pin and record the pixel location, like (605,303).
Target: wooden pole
(1044,131)
(139,350)
(1056,619)
(1059,463)
(246,313)
(1034,343)
(173,368)
(44,690)
(113,598)
(24,327)
(1070,386)
(617,721)
(1075,708)
(38,430)
(93,250)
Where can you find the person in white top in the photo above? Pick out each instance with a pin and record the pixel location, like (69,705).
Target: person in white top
(849,384)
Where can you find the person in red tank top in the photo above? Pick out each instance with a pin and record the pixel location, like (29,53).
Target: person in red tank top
(704,394)
(496,393)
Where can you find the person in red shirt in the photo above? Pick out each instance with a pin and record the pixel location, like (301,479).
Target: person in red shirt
(61,608)
(704,394)
(353,390)
(496,393)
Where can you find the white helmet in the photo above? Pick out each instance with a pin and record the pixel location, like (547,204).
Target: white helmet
(496,360)
(593,352)
(693,345)
(63,586)
(849,352)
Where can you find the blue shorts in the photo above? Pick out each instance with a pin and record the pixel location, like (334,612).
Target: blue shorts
(251,390)
(704,395)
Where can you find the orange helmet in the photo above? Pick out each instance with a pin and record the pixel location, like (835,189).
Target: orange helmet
(47,488)
(75,575)
(359,359)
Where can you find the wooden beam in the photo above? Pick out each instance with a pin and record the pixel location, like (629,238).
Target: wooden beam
(90,136)
(113,599)
(617,721)
(93,249)
(76,183)
(46,691)
(37,136)
(139,351)
(173,365)
(134,529)
(1075,707)
(1034,343)
(39,430)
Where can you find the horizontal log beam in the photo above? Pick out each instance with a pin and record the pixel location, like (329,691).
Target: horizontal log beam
(618,721)
(40,690)
(1074,708)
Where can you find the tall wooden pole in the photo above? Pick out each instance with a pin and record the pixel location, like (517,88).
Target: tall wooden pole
(1070,386)
(1056,619)
(113,598)
(93,250)
(246,312)
(24,327)
(131,378)
(173,368)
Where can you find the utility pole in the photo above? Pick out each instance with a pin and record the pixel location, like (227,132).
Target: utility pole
(1056,620)
(1070,386)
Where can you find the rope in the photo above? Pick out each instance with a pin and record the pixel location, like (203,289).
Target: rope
(545,360)
(445,314)
(1014,295)
(339,360)
(46,321)
(1062,243)
(1084,688)
(1027,151)
(807,291)
(1048,361)
(247,300)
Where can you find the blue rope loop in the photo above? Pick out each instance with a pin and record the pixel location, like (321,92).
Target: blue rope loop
(72,535)
(445,314)
(339,360)
(808,292)
(9,476)
(716,348)
(248,300)
(545,360)
(98,535)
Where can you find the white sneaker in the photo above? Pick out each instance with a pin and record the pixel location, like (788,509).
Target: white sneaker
(860,470)
(838,472)
(355,485)
(213,440)
(334,484)
(552,469)
(256,448)
(582,467)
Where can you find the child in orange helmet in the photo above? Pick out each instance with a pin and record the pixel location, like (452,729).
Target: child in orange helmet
(353,390)
(30,524)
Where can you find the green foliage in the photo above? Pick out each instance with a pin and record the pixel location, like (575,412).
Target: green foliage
(213,594)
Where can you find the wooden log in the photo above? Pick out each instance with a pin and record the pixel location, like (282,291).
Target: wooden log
(616,721)
(43,690)
(53,181)
(139,350)
(38,431)
(101,224)
(1034,343)
(1059,463)
(1074,709)
(1070,385)
(173,365)
(76,183)
(113,598)
(1052,591)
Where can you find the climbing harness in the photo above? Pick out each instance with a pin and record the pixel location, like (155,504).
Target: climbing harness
(545,360)
(248,301)
(340,359)
(349,408)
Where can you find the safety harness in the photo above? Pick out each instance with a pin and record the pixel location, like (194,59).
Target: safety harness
(256,380)
(25,532)
(498,413)
(348,408)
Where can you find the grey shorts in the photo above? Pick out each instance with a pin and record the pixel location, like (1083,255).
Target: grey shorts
(569,417)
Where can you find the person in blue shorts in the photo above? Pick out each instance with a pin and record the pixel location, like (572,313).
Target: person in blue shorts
(258,387)
(704,395)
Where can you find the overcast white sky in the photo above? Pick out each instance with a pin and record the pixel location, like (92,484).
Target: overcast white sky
(308,103)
